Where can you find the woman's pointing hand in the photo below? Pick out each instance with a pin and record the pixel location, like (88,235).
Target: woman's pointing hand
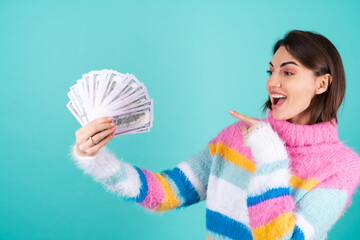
(245,130)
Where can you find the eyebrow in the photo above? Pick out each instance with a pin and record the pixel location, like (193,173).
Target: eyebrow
(284,63)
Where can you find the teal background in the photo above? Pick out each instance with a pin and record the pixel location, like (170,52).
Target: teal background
(198,60)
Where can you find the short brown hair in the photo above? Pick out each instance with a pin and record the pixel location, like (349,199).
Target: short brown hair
(316,52)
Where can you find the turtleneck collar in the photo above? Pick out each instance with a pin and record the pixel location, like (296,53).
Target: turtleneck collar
(300,135)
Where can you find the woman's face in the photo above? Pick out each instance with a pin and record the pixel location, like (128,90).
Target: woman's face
(295,83)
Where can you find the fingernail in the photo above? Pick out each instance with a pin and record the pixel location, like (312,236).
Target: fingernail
(112,129)
(112,124)
(231,111)
(110,118)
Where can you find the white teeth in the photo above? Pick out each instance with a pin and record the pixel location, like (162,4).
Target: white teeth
(278,96)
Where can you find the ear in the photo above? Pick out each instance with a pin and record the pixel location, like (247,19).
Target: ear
(322,83)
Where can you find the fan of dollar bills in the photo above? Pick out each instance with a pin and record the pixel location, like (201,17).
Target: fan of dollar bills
(110,93)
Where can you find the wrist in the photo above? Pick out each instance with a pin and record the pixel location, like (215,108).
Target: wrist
(101,165)
(79,156)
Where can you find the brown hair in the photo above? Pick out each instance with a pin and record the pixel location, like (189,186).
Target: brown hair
(316,52)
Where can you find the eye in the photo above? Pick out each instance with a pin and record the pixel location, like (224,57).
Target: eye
(269,72)
(288,73)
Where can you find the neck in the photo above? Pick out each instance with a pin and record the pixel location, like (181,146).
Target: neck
(302,118)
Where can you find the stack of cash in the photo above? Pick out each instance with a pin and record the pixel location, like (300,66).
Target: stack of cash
(110,93)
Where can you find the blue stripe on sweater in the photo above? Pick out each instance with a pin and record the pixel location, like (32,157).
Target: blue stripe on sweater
(219,223)
(144,186)
(272,193)
(185,187)
(298,234)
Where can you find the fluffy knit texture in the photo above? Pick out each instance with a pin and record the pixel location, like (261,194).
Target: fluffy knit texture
(288,181)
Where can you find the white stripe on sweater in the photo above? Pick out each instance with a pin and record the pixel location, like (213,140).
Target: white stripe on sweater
(263,183)
(227,199)
(304,225)
(131,186)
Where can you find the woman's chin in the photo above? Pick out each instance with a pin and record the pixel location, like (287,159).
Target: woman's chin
(278,116)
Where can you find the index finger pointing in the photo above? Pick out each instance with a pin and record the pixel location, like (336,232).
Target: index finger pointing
(244,118)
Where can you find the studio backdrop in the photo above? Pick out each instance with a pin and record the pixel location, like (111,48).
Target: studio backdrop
(198,60)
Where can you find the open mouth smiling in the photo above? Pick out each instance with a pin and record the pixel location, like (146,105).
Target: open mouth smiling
(277,99)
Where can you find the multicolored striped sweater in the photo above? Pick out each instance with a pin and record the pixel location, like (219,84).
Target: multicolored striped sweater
(288,181)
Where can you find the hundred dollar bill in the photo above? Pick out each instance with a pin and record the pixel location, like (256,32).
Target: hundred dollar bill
(113,81)
(88,107)
(70,106)
(136,130)
(142,105)
(92,90)
(130,87)
(132,120)
(128,102)
(100,79)
(75,97)
(114,88)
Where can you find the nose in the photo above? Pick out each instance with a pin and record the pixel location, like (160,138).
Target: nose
(274,82)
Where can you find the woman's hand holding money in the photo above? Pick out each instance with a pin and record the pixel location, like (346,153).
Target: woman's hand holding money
(94,135)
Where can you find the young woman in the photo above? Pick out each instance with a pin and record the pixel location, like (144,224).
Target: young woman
(286,176)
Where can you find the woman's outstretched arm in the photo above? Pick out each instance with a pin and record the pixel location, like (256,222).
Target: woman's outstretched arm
(272,209)
(181,186)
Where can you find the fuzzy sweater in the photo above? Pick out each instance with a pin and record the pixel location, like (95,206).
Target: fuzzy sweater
(288,181)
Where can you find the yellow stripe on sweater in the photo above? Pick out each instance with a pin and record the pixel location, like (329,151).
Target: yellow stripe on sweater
(306,184)
(276,229)
(232,156)
(170,201)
